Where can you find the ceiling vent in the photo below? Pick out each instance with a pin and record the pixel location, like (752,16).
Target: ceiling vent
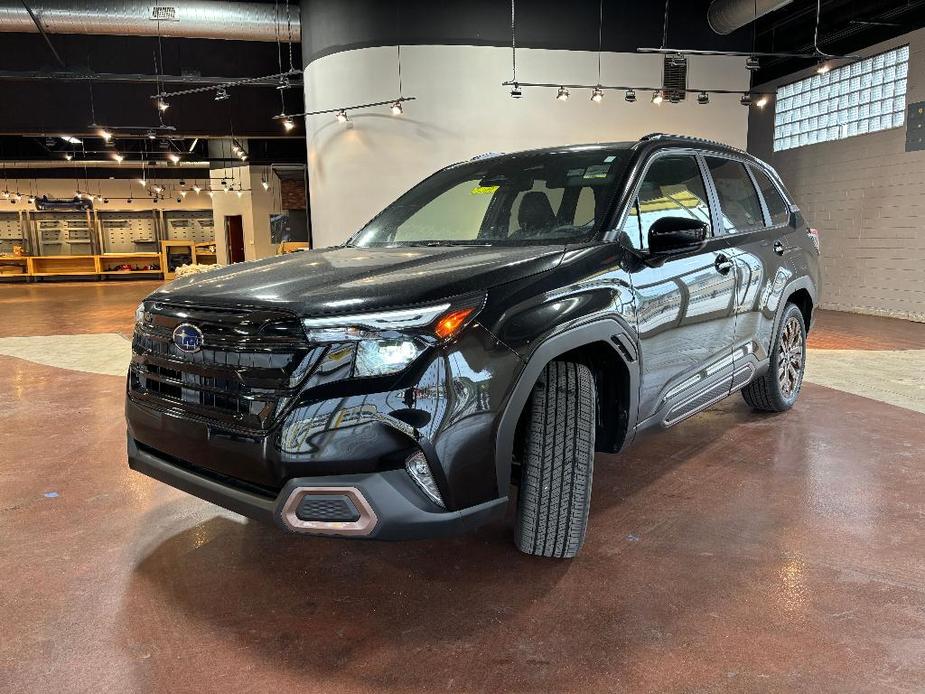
(164,13)
(674,77)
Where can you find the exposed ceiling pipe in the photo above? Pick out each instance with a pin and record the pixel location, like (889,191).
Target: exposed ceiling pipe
(198,19)
(725,16)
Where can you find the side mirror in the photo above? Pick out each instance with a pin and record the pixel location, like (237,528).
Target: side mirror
(672,235)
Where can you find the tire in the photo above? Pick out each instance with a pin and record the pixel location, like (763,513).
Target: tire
(777,391)
(558,463)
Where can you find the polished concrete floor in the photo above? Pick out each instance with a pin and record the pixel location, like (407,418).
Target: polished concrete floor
(736,552)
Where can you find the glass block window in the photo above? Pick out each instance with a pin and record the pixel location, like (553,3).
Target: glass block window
(854,99)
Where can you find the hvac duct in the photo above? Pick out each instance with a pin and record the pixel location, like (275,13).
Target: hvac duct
(725,16)
(199,19)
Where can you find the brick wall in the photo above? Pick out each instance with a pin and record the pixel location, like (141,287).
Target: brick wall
(866,195)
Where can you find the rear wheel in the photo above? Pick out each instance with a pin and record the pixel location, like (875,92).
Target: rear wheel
(779,388)
(558,462)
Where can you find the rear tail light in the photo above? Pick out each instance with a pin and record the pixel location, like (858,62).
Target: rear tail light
(814,237)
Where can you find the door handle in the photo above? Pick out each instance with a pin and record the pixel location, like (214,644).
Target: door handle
(723,265)
(778,248)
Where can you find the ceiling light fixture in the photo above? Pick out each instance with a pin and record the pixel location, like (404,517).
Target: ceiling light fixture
(71,140)
(630,96)
(342,116)
(397,109)
(265,183)
(221,94)
(162,104)
(562,95)
(68,156)
(746,99)
(516,91)
(288,123)
(752,63)
(657,97)
(151,135)
(597,95)
(118,157)
(193,146)
(197,189)
(175,158)
(105,134)
(823,68)
(703,98)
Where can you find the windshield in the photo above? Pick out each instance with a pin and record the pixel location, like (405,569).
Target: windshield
(532,198)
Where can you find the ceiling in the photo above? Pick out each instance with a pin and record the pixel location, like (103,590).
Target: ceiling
(844,26)
(46,104)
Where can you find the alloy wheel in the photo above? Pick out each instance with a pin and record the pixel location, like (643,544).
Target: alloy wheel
(790,357)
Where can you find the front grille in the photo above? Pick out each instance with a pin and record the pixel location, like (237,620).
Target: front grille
(250,364)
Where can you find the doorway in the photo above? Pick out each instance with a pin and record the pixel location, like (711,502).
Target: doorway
(234,237)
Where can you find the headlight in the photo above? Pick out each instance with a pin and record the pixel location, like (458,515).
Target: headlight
(140,314)
(379,357)
(387,342)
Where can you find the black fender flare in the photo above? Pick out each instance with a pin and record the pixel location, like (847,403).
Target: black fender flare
(606,330)
(788,291)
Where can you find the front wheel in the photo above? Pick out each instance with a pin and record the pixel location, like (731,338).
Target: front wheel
(779,388)
(558,462)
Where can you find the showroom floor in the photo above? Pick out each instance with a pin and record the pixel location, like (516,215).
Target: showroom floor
(736,551)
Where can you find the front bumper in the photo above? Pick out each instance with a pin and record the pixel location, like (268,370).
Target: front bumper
(388,504)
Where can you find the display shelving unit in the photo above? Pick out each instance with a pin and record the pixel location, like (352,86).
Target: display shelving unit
(63,265)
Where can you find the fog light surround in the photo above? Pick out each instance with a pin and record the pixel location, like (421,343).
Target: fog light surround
(419,470)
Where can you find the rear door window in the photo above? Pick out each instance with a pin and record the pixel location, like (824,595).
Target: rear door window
(738,199)
(778,209)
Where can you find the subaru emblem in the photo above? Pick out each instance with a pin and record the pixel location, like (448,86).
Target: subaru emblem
(187,338)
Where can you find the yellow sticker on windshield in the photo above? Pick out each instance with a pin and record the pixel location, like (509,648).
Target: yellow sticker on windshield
(484,190)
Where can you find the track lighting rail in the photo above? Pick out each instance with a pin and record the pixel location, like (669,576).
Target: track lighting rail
(339,109)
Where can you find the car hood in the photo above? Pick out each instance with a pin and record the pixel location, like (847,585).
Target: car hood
(350,279)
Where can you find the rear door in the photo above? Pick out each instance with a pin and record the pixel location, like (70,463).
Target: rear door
(758,225)
(684,306)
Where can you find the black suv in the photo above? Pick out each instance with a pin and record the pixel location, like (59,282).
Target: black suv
(496,325)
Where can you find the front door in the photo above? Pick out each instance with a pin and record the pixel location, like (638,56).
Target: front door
(685,307)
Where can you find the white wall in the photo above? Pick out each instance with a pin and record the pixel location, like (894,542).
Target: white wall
(462,110)
(864,194)
(255,205)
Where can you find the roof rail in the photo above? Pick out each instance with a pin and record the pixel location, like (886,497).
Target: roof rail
(691,138)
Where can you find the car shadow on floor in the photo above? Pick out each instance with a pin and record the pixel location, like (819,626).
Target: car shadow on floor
(389,614)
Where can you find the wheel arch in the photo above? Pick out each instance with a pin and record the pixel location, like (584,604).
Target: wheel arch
(609,351)
(802,299)
(801,292)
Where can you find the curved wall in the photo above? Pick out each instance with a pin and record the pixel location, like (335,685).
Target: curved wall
(461,110)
